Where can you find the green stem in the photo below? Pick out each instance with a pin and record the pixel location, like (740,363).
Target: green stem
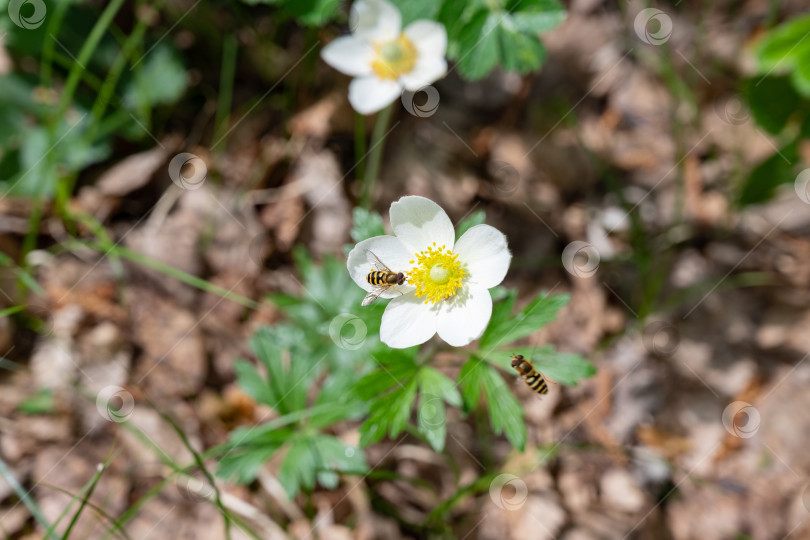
(226,80)
(85,53)
(375,156)
(360,144)
(108,87)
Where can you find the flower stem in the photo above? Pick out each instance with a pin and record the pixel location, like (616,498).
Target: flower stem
(375,156)
(360,143)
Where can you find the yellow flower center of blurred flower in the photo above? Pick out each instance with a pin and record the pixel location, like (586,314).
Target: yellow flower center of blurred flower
(394,58)
(437,275)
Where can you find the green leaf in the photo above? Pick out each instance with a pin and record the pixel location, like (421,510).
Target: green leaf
(413,10)
(785,46)
(388,414)
(539,312)
(538,16)
(454,14)
(434,389)
(505,413)
(366,224)
(247,450)
(40,403)
(770,173)
(381,380)
(318,457)
(476,218)
(562,368)
(282,350)
(253,384)
(478,50)
(801,76)
(469,382)
(161,80)
(301,463)
(508,36)
(772,100)
(521,51)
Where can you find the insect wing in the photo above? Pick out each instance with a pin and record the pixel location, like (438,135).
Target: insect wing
(376,262)
(373,295)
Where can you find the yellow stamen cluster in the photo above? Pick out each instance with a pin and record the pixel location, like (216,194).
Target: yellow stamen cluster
(437,274)
(394,58)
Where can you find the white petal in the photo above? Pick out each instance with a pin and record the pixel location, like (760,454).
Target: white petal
(349,55)
(375,20)
(419,222)
(465,317)
(424,73)
(370,94)
(391,251)
(407,321)
(429,37)
(484,252)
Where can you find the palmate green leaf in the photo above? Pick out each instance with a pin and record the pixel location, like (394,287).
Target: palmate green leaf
(505,413)
(539,312)
(389,414)
(765,177)
(773,100)
(536,16)
(454,14)
(320,457)
(366,224)
(413,10)
(290,366)
(246,451)
(507,36)
(801,76)
(434,390)
(785,47)
(161,80)
(521,51)
(478,49)
(562,368)
(254,384)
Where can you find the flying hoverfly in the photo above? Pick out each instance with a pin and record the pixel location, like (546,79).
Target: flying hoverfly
(382,278)
(533,378)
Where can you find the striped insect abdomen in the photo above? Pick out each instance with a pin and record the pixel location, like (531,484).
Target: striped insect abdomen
(376,277)
(537,383)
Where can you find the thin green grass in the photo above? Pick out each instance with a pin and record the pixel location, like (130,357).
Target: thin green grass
(29,503)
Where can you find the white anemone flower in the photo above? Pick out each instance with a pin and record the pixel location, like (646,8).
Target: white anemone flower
(447,281)
(384,58)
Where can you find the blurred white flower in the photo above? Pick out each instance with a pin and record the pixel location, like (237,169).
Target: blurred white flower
(383,58)
(447,281)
